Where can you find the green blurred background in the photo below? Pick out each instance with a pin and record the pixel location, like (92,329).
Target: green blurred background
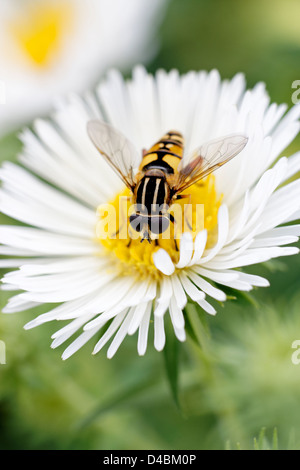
(242,379)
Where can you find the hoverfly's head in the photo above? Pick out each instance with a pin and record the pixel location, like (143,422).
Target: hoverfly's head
(146,225)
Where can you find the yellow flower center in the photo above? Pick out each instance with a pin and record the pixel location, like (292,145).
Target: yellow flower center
(130,256)
(39,30)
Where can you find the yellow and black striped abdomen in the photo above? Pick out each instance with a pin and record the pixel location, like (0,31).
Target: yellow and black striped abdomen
(165,154)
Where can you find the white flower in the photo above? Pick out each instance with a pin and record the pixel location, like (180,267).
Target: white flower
(60,260)
(51,47)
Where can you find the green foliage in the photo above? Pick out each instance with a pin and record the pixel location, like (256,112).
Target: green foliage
(10,147)
(171,354)
(260,443)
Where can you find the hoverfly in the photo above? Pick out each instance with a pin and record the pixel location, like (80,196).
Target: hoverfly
(163,174)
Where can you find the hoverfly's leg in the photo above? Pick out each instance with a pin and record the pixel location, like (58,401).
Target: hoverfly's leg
(188,219)
(187,215)
(129,228)
(123,215)
(172,219)
(184,196)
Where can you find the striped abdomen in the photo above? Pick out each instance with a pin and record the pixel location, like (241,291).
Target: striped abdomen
(152,194)
(165,155)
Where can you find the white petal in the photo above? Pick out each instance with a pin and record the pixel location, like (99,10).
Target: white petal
(186,250)
(163,262)
(110,331)
(178,292)
(67,331)
(159,333)
(143,332)
(192,291)
(137,317)
(161,308)
(119,337)
(207,307)
(180,333)
(78,343)
(199,247)
(176,314)
(207,287)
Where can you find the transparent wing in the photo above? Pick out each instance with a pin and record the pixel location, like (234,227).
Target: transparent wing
(118,151)
(206,159)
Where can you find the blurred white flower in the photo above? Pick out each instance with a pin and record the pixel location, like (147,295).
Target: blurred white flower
(108,284)
(49,47)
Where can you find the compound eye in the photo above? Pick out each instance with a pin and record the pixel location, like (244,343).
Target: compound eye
(136,222)
(158,224)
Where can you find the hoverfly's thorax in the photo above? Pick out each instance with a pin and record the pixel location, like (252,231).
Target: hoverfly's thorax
(165,155)
(152,193)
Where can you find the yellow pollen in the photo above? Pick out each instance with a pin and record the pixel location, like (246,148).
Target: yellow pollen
(40,28)
(132,257)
